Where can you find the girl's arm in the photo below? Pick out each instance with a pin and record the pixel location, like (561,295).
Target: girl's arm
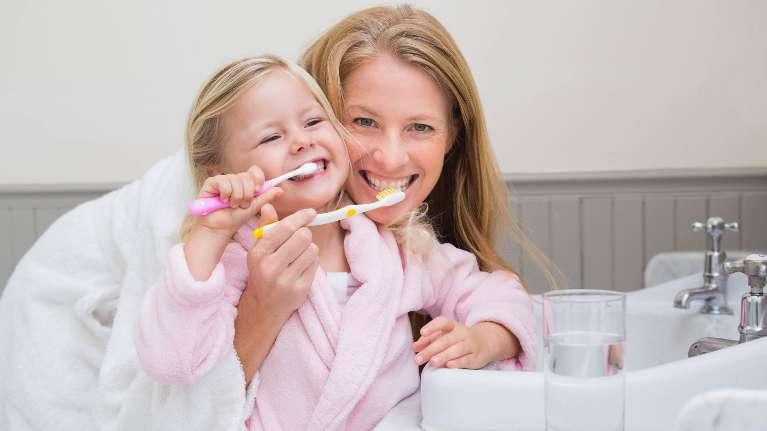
(445,342)
(186,325)
(461,293)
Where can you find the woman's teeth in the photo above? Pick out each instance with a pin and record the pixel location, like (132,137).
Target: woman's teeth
(380,184)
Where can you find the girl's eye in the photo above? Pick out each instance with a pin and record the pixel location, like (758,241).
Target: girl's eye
(313,121)
(364,122)
(421,128)
(269,139)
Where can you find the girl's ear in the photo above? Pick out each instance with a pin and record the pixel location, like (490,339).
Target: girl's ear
(214,170)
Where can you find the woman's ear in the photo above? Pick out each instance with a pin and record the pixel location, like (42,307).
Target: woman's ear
(455,129)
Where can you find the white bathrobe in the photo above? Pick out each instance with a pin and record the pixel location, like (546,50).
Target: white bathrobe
(67,360)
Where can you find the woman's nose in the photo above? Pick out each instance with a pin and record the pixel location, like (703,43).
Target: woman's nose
(391,153)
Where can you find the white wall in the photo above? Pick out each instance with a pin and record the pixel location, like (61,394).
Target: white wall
(94,91)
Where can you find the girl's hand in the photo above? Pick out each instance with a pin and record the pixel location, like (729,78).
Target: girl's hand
(238,191)
(210,234)
(448,343)
(281,267)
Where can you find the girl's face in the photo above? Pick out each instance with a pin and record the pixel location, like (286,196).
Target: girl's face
(400,120)
(278,126)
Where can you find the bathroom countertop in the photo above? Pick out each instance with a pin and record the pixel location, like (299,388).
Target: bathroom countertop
(725,410)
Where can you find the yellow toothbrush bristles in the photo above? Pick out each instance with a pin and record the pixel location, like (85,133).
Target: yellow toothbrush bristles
(386,192)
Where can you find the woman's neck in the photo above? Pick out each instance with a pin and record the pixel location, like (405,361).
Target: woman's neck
(329,238)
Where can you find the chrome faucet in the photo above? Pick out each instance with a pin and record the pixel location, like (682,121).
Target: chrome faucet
(753,315)
(714,289)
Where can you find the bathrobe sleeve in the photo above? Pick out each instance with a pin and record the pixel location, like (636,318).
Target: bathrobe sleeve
(186,326)
(458,290)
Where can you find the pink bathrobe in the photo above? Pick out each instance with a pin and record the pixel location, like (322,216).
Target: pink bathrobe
(332,366)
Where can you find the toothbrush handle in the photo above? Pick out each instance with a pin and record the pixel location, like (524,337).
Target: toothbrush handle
(204,206)
(320,219)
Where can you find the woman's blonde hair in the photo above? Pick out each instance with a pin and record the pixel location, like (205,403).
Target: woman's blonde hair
(204,130)
(469,204)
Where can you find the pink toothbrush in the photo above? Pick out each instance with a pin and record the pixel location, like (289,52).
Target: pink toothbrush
(204,206)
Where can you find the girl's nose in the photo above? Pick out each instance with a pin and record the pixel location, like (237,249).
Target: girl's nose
(302,141)
(391,154)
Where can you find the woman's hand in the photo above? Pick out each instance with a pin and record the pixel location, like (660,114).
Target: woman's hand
(448,343)
(281,265)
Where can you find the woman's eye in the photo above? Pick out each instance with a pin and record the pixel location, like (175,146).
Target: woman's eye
(421,128)
(269,139)
(313,121)
(364,122)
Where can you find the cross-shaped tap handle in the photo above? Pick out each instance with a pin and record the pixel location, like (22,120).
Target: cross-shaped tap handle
(754,266)
(714,226)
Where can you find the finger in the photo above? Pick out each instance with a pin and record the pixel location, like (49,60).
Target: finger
(291,249)
(257,176)
(209,188)
(224,188)
(257,204)
(285,229)
(237,194)
(441,323)
(268,214)
(296,268)
(437,346)
(454,351)
(248,191)
(307,276)
(425,340)
(466,361)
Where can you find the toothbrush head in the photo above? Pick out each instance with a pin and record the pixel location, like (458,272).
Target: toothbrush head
(306,169)
(390,196)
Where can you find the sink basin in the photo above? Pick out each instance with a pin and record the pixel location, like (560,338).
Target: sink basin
(660,378)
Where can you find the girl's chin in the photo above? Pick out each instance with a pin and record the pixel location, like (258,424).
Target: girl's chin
(299,201)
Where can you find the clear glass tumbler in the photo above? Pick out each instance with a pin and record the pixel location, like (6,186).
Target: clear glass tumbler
(583,337)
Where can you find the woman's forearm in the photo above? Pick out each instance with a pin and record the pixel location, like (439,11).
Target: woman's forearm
(254,335)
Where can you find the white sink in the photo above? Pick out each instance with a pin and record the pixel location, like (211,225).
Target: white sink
(660,378)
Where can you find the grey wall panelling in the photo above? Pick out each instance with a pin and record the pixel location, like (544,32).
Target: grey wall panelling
(600,229)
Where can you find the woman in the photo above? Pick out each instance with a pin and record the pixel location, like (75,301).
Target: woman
(405,93)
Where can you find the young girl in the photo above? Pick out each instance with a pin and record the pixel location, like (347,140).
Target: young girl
(341,356)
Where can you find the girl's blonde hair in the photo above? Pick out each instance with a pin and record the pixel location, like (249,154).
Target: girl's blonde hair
(204,130)
(469,204)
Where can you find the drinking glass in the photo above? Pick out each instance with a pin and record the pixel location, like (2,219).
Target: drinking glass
(583,336)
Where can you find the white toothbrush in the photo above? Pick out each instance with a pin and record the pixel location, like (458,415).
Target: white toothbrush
(205,206)
(386,197)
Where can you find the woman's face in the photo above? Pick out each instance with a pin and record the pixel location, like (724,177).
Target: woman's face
(399,118)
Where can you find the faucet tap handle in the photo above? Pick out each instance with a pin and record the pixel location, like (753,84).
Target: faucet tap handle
(735,266)
(714,226)
(755,267)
